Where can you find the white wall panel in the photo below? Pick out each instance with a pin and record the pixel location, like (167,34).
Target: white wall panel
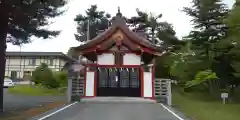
(131,59)
(147,84)
(90,84)
(105,59)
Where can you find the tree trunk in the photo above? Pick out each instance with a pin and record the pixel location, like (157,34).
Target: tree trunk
(3,46)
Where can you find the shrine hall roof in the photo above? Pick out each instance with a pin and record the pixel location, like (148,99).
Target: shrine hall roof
(119,23)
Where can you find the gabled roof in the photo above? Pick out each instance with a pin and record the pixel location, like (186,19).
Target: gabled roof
(119,24)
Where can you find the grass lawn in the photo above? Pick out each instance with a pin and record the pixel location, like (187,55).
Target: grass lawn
(198,106)
(34,90)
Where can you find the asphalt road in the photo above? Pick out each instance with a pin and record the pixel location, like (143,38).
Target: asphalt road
(114,111)
(19,102)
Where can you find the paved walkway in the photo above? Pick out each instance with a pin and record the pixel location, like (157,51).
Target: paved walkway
(114,109)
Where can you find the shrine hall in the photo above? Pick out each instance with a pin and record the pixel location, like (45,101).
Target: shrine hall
(122,62)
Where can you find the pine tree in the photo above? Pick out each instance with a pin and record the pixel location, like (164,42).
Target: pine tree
(147,23)
(96,20)
(209,29)
(156,32)
(233,22)
(21,19)
(208,16)
(209,33)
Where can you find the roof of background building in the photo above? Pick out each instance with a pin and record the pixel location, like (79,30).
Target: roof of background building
(38,54)
(35,54)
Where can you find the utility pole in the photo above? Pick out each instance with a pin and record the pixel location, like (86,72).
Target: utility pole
(88,29)
(20,46)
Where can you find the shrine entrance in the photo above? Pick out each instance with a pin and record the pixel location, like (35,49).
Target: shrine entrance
(119,82)
(115,60)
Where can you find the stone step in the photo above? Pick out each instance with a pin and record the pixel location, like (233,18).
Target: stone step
(117,100)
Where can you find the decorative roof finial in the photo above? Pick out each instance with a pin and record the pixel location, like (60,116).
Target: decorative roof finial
(118,19)
(119,13)
(119,9)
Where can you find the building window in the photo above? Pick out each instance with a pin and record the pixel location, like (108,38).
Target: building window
(51,61)
(13,74)
(45,61)
(32,61)
(27,73)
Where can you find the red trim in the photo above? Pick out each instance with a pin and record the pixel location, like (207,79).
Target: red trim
(149,98)
(121,51)
(110,66)
(142,46)
(113,51)
(85,80)
(88,96)
(90,50)
(142,81)
(127,41)
(123,66)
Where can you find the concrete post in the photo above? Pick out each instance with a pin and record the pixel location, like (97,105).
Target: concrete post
(169,94)
(70,79)
(69,92)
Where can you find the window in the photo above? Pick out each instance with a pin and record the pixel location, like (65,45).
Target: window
(13,74)
(45,61)
(32,61)
(27,73)
(51,61)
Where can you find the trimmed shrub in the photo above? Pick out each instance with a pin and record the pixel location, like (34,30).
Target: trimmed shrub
(61,77)
(44,76)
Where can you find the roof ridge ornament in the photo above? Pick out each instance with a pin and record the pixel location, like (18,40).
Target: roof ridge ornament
(119,12)
(118,19)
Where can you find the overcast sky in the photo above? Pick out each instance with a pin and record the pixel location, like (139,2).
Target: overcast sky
(171,10)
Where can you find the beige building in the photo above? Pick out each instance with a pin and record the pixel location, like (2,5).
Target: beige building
(21,64)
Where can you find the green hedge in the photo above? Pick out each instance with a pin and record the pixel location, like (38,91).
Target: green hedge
(44,76)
